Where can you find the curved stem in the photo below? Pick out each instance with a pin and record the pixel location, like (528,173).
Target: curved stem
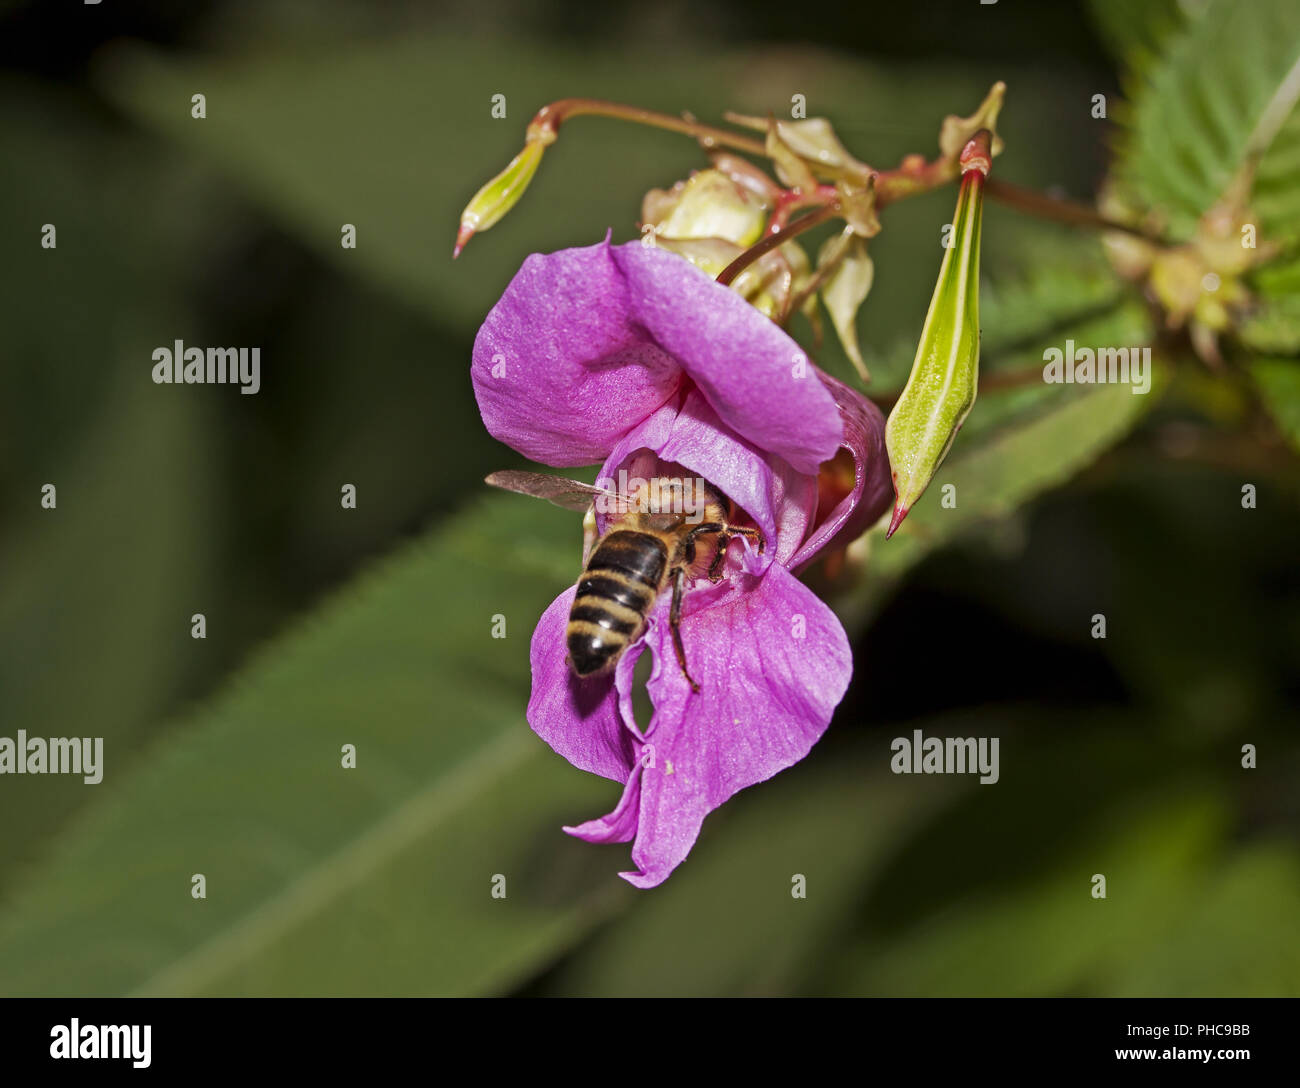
(549,118)
(914,175)
(1034,203)
(775,241)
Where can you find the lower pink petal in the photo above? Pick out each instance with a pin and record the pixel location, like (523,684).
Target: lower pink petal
(772,662)
(579,718)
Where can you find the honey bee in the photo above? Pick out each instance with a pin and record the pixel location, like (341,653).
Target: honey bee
(650,543)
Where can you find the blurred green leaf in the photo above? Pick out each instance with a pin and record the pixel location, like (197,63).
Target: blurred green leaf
(1273,327)
(85,586)
(95,595)
(1139,533)
(1279,384)
(1037,438)
(1013,390)
(1212,101)
(1052,936)
(1136,32)
(396,136)
(982,900)
(1274,196)
(1061,280)
(1058,281)
(727,922)
(66,171)
(326,880)
(1232,935)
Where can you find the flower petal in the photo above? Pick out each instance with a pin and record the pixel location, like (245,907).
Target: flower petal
(561,370)
(620,825)
(579,718)
(756,378)
(873,490)
(772,662)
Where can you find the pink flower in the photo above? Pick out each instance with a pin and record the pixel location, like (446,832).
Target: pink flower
(628,354)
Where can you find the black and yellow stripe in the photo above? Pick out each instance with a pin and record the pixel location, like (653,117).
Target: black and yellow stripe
(624,575)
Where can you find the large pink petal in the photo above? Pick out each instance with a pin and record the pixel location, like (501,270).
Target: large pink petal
(561,368)
(579,718)
(755,376)
(621,824)
(772,662)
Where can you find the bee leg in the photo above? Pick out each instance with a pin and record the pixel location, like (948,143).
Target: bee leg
(756,533)
(715,568)
(688,544)
(675,624)
(704,527)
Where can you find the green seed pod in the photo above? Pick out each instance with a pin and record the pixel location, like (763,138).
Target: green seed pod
(500,194)
(941,388)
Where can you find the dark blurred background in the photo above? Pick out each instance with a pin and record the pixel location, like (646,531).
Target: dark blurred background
(1119,756)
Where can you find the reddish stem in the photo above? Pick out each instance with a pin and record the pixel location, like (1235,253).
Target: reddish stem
(775,241)
(1057,210)
(547,121)
(791,200)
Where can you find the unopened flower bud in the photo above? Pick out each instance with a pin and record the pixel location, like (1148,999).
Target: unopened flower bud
(500,194)
(707,205)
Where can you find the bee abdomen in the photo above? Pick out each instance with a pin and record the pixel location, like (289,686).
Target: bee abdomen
(638,556)
(616,591)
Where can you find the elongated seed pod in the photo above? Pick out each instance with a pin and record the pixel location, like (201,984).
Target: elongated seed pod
(941,388)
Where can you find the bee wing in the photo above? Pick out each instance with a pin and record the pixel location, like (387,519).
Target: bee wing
(570,494)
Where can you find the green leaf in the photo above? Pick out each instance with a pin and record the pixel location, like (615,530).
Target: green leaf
(1232,935)
(1057,281)
(64,616)
(1018,462)
(1273,327)
(1013,911)
(1225,86)
(1275,196)
(1064,280)
(1013,387)
(1012,941)
(95,594)
(727,923)
(1279,384)
(1137,32)
(322,879)
(1035,438)
(395,136)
